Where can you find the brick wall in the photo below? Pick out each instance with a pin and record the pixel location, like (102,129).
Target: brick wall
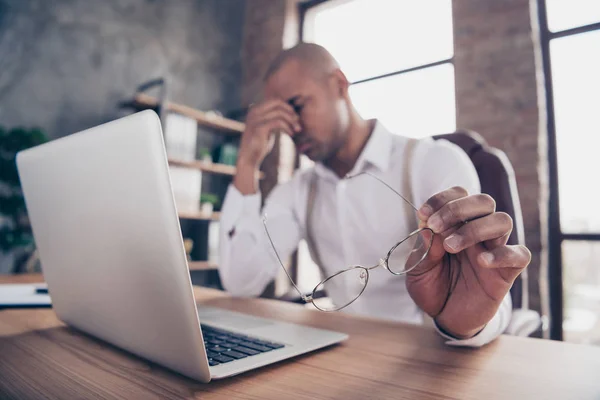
(269,27)
(497,95)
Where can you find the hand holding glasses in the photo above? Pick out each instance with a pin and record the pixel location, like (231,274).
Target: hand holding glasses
(401,259)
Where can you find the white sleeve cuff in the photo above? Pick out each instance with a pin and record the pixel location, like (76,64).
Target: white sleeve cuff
(237,206)
(491,331)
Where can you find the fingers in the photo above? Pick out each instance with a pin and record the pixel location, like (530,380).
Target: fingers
(269,105)
(292,119)
(461,210)
(501,241)
(264,120)
(268,127)
(272,122)
(437,201)
(488,228)
(515,257)
(283,112)
(272,109)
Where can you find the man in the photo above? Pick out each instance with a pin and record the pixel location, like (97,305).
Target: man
(465,279)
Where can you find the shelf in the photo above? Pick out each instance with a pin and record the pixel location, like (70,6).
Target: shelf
(206,167)
(202,266)
(199,216)
(228,126)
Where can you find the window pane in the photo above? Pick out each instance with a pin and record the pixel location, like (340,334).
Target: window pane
(374,37)
(576,82)
(567,14)
(415,104)
(581,269)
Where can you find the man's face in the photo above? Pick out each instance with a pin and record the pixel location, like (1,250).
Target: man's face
(319,103)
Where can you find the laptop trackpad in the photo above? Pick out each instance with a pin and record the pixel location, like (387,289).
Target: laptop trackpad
(230,319)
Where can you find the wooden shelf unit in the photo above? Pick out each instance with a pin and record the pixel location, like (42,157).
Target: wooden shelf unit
(227,126)
(202,266)
(215,216)
(223,126)
(204,166)
(207,167)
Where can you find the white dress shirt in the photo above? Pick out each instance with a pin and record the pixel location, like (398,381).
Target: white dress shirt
(355,222)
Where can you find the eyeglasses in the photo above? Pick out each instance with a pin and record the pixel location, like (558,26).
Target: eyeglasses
(402,258)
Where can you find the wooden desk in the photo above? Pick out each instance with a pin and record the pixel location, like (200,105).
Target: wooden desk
(41,358)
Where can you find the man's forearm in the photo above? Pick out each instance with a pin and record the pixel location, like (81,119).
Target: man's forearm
(246,178)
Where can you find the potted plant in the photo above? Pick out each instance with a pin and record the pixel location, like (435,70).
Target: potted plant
(17,248)
(188,244)
(208,202)
(205,155)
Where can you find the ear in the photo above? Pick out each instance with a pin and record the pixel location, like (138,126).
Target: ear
(340,83)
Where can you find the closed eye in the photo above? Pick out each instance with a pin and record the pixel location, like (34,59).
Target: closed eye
(294,102)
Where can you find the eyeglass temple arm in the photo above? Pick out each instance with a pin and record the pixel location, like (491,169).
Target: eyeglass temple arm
(386,185)
(302,295)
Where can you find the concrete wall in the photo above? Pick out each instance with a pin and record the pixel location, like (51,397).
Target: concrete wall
(66,64)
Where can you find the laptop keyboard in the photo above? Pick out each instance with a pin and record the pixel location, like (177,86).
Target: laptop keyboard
(224,346)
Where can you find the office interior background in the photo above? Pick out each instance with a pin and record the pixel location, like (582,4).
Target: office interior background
(524,74)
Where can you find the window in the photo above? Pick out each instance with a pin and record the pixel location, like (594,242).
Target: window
(576,84)
(571,52)
(404,102)
(581,266)
(397,54)
(567,14)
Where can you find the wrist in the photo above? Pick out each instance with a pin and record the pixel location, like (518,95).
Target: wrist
(245,163)
(246,177)
(457,333)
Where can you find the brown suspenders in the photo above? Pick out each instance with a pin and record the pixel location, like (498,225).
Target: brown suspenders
(406,191)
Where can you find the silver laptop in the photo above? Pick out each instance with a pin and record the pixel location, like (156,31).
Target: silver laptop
(106,227)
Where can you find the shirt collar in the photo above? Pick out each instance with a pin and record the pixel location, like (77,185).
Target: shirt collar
(376,152)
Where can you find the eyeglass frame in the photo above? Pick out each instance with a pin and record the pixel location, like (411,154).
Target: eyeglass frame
(382,262)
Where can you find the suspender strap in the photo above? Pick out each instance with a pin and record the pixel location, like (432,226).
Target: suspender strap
(312,194)
(407,191)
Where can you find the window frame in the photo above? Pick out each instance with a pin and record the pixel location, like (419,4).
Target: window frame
(556,236)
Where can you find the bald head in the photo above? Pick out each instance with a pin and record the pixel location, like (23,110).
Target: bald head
(313,58)
(308,78)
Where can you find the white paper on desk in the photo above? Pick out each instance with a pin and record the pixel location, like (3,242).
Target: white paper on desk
(23,295)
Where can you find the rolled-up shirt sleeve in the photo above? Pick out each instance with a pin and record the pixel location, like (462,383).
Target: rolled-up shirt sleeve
(491,331)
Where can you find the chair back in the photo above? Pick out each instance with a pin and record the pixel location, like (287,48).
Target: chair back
(497,178)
